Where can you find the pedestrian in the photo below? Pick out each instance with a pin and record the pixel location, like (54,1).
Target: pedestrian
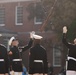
(37,57)
(71,66)
(4,64)
(62,71)
(50,69)
(16,57)
(24,71)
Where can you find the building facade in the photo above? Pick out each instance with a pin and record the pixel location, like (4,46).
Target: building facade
(14,18)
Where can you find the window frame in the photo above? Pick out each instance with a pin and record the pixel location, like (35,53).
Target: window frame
(35,22)
(55,65)
(16,18)
(4,17)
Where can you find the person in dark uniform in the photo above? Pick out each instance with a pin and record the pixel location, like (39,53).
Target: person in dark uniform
(4,63)
(50,69)
(38,57)
(16,57)
(71,65)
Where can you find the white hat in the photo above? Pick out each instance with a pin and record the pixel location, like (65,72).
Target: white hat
(10,41)
(37,36)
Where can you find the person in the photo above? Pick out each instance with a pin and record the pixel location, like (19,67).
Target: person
(50,69)
(71,66)
(37,57)
(15,55)
(4,64)
(62,71)
(24,71)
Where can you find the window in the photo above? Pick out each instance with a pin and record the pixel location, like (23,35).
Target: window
(56,57)
(2,16)
(37,20)
(39,13)
(19,15)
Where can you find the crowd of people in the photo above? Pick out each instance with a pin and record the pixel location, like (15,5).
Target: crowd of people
(11,61)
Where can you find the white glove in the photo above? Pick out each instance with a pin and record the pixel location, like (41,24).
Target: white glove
(12,72)
(31,34)
(64,29)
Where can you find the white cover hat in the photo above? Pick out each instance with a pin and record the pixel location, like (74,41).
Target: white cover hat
(37,36)
(10,41)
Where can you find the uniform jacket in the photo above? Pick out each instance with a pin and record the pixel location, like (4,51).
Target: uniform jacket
(72,53)
(17,65)
(37,53)
(4,65)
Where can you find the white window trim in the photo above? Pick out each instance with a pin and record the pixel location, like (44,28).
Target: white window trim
(54,61)
(5,1)
(16,17)
(36,22)
(2,24)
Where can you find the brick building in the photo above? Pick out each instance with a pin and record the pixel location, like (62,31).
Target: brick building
(14,22)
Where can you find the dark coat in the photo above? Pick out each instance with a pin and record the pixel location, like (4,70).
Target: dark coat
(17,65)
(72,53)
(37,53)
(4,65)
